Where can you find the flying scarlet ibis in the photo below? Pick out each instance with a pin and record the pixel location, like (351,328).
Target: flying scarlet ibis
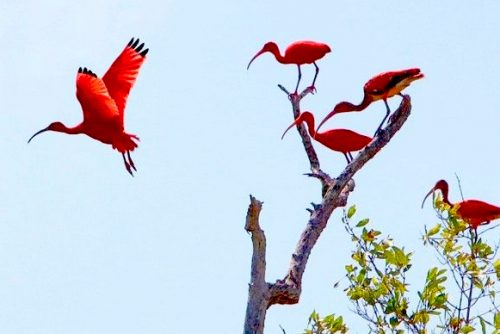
(298,53)
(340,140)
(380,87)
(472,211)
(103,102)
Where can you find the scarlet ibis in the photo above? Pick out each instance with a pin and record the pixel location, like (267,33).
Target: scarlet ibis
(103,102)
(472,211)
(298,53)
(340,140)
(380,87)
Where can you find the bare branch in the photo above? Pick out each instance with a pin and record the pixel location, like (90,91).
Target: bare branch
(258,294)
(335,194)
(306,140)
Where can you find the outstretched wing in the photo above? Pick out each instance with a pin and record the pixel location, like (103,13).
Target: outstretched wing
(122,74)
(94,97)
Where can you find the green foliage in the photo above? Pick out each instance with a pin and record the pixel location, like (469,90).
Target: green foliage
(327,325)
(378,290)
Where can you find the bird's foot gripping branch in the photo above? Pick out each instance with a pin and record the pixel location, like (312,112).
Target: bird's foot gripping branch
(335,192)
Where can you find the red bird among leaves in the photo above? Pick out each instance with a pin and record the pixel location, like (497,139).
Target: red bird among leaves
(340,140)
(472,211)
(298,53)
(103,102)
(380,87)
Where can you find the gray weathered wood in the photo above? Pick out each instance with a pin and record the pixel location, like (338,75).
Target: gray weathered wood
(336,192)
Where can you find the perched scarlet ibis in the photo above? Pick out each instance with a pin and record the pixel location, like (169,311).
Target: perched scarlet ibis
(298,53)
(380,87)
(103,102)
(472,211)
(340,140)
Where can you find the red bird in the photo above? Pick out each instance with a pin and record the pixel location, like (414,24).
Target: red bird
(298,53)
(103,102)
(380,87)
(471,211)
(340,140)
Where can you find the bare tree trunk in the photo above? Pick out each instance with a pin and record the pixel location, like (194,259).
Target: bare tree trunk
(262,295)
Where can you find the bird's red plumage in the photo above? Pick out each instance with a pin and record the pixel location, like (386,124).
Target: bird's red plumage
(388,84)
(93,95)
(305,52)
(472,211)
(103,102)
(340,140)
(298,53)
(477,212)
(380,87)
(122,74)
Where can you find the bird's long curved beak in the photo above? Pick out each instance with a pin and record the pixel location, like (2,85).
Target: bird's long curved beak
(36,134)
(291,126)
(330,115)
(256,55)
(430,192)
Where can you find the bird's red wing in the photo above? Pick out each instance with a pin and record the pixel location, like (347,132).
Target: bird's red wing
(475,209)
(94,97)
(384,82)
(122,74)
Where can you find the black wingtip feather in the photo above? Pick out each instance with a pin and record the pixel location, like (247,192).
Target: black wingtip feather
(86,71)
(134,44)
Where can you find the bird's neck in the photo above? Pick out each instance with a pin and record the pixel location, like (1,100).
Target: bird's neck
(367,99)
(309,120)
(71,131)
(348,106)
(444,191)
(276,52)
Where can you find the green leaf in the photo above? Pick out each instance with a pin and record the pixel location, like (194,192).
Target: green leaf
(351,211)
(467,329)
(434,230)
(496,265)
(363,222)
(483,325)
(349,268)
(496,320)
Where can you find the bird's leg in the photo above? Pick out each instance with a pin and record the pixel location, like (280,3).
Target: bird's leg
(347,158)
(312,87)
(388,111)
(127,165)
(131,161)
(298,81)
(350,156)
(474,235)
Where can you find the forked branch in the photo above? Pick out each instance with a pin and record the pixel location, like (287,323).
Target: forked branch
(336,192)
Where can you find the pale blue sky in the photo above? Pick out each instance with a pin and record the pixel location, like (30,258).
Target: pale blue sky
(85,248)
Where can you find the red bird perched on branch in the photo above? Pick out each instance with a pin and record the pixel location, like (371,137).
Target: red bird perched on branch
(340,140)
(380,87)
(103,102)
(298,53)
(471,211)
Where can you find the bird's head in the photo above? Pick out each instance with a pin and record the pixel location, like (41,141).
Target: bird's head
(55,126)
(268,47)
(305,116)
(441,185)
(342,107)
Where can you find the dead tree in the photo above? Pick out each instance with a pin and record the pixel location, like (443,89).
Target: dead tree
(261,294)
